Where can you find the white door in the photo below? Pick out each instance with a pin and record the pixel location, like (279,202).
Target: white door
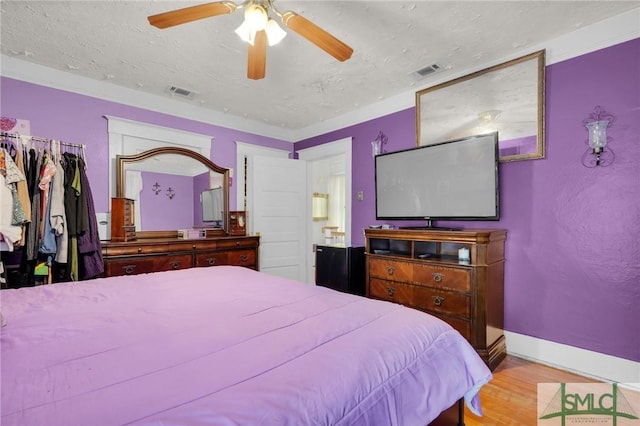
(277,211)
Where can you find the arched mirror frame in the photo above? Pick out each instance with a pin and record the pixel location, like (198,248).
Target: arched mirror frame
(123,160)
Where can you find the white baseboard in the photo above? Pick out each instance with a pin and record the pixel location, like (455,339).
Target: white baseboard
(575,360)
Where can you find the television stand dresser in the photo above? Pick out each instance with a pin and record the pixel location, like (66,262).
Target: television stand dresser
(420,269)
(145,255)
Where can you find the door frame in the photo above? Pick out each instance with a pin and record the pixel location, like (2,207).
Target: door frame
(338,147)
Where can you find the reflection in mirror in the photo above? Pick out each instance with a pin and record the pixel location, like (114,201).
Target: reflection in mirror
(212,206)
(320,206)
(166,185)
(507,98)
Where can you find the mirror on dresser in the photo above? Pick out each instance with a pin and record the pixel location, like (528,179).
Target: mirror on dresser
(168,186)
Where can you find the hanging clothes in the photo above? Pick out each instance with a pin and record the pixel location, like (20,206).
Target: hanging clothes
(13,176)
(48,243)
(29,163)
(75,204)
(30,230)
(21,186)
(33,230)
(48,202)
(89,247)
(10,233)
(57,216)
(47,238)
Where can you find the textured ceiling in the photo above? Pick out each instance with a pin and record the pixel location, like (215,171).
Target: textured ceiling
(112,41)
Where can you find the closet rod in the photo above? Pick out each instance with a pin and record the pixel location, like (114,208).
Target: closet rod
(45,140)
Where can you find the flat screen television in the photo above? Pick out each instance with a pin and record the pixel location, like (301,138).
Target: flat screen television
(454,180)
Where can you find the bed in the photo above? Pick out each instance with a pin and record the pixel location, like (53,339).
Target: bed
(225,346)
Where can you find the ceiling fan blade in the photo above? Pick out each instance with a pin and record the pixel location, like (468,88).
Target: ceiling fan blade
(317,36)
(257,61)
(189,14)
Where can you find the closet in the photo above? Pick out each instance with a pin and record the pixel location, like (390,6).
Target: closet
(48,228)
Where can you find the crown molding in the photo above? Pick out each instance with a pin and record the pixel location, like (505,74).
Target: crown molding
(49,77)
(609,32)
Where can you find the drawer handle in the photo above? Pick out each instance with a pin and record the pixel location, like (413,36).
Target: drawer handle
(438,300)
(244,258)
(438,277)
(211,261)
(390,270)
(139,249)
(128,269)
(175,265)
(391,291)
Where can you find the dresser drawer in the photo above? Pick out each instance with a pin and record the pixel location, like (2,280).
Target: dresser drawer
(442,277)
(390,269)
(391,291)
(133,249)
(461,326)
(442,301)
(181,246)
(144,265)
(242,257)
(214,258)
(130,266)
(238,243)
(205,244)
(422,298)
(171,262)
(406,295)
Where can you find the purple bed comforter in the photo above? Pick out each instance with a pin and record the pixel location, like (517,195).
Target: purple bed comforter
(225,346)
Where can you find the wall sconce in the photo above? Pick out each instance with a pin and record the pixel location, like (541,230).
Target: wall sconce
(156,188)
(378,144)
(596,125)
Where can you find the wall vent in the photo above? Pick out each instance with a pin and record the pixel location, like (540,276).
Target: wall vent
(179,91)
(425,71)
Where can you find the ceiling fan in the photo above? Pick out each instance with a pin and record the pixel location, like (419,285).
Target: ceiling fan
(258,29)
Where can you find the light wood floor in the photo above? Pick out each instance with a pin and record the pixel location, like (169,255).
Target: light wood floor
(510,398)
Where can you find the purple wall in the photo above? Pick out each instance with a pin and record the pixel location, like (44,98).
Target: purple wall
(70,117)
(573,242)
(160,212)
(573,245)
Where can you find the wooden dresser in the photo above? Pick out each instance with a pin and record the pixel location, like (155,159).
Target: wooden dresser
(164,254)
(420,269)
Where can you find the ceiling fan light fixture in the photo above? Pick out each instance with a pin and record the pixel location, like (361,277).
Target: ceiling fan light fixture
(245,33)
(256,17)
(275,34)
(257,29)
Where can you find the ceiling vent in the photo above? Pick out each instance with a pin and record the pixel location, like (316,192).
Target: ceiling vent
(428,70)
(179,91)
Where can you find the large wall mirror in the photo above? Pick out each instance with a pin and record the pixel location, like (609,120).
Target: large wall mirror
(174,188)
(507,98)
